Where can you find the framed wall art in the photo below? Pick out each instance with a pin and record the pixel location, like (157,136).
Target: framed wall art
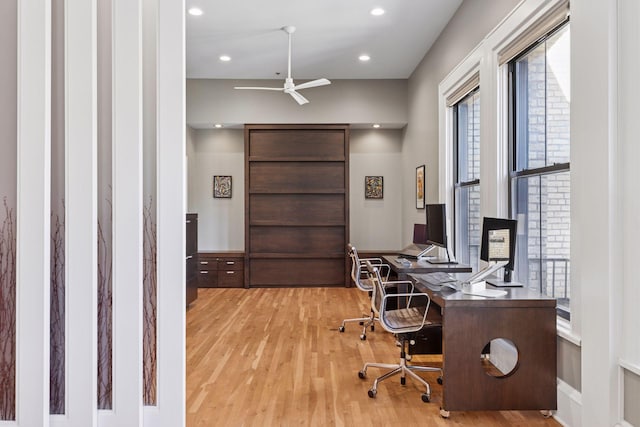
(420,186)
(222,187)
(373,188)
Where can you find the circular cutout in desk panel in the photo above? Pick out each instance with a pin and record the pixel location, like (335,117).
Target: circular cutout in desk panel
(499,358)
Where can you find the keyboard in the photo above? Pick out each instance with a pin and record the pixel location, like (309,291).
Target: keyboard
(439,277)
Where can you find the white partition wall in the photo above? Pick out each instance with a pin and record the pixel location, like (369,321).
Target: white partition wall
(171,216)
(81,213)
(77,95)
(33,210)
(127,214)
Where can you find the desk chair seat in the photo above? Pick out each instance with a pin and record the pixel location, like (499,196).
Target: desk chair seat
(362,281)
(405,323)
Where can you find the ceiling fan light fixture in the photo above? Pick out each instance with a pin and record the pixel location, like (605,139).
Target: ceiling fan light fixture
(194,11)
(364,58)
(377,11)
(290,87)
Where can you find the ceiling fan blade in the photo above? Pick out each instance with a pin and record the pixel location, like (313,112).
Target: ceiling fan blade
(259,88)
(299,98)
(313,83)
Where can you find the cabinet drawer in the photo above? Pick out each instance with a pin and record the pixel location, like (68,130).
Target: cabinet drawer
(230,278)
(230,264)
(208,264)
(207,279)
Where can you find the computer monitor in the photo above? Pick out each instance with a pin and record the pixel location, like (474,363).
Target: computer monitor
(420,234)
(499,243)
(436,225)
(437,230)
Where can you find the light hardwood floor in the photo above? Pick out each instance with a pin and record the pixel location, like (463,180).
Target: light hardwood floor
(274,357)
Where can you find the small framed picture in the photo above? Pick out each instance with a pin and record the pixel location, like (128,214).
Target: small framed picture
(222,187)
(420,187)
(373,188)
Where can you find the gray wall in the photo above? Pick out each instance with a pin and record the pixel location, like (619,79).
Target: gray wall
(631,393)
(375,223)
(220,221)
(344,101)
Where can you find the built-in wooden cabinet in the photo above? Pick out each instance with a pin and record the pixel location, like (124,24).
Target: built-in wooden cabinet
(297,205)
(191,257)
(221,269)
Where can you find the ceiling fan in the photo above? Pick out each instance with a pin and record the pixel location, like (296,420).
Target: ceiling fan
(290,87)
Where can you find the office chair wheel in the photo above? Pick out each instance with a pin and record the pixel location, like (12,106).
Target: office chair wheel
(426,398)
(363,337)
(373,328)
(444,413)
(403,380)
(372,393)
(440,380)
(407,358)
(362,375)
(546,413)
(341,329)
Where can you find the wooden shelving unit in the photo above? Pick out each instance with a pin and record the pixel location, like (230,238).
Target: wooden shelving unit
(297,205)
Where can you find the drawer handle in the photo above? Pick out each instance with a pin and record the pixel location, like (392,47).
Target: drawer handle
(231,272)
(189,256)
(230,262)
(204,262)
(204,272)
(188,221)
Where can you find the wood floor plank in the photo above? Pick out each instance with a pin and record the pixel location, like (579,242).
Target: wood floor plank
(274,357)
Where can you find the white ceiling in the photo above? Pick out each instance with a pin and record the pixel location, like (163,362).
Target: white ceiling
(329,37)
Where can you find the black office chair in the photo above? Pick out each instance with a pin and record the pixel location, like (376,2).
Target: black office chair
(404,322)
(361,279)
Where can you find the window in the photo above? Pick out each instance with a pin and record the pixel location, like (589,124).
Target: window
(466,198)
(539,182)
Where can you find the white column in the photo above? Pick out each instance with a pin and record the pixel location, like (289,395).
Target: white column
(81,212)
(127,214)
(594,187)
(33,212)
(171,214)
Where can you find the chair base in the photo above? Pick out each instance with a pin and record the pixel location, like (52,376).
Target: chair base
(403,370)
(364,321)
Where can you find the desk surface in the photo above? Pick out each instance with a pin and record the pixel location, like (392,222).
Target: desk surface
(515,297)
(421,267)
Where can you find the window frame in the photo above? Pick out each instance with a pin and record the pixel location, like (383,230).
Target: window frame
(514,173)
(457,183)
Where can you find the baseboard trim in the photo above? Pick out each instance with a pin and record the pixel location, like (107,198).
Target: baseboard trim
(569,412)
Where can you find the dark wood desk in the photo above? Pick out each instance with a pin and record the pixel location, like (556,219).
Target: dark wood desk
(525,317)
(421,267)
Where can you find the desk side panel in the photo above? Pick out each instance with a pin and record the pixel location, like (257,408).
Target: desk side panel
(531,386)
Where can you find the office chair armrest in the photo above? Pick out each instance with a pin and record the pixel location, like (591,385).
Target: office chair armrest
(383,305)
(385,269)
(373,261)
(400,282)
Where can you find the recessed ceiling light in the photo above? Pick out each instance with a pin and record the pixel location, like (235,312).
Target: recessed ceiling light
(376,125)
(225,58)
(377,11)
(195,11)
(218,125)
(364,58)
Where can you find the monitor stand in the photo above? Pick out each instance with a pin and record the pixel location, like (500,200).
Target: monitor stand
(499,283)
(446,260)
